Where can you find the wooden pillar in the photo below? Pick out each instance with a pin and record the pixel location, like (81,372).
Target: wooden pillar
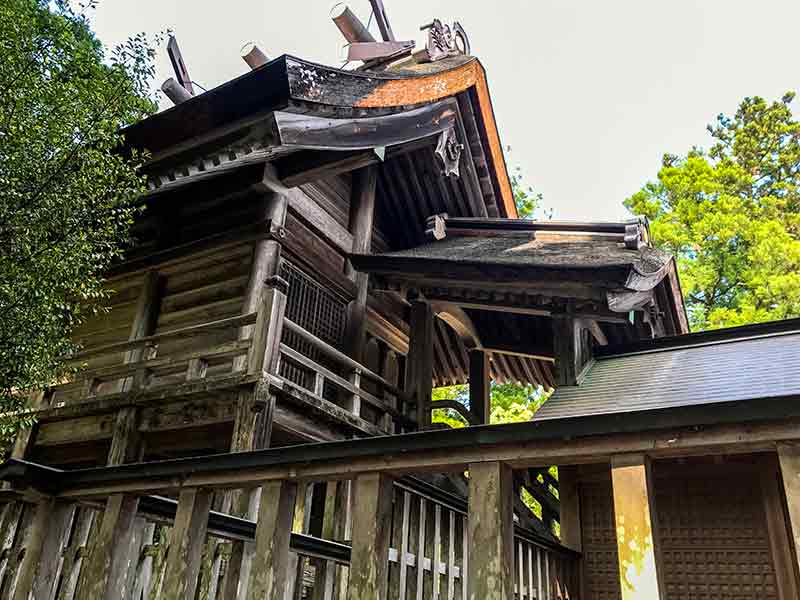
(369,563)
(271,555)
(491,532)
(419,362)
(479,396)
(789,459)
(570,349)
(362,213)
(633,516)
(252,427)
(105,573)
(186,545)
(784,558)
(570,509)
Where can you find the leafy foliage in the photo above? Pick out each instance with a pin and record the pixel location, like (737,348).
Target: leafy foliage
(67,196)
(732,217)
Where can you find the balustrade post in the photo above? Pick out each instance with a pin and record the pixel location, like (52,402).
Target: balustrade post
(186,544)
(369,561)
(105,572)
(491,532)
(273,533)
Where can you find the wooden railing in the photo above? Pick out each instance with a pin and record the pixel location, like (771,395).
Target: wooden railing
(427,558)
(390,403)
(141,364)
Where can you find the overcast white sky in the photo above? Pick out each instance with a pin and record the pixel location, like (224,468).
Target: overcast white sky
(588,94)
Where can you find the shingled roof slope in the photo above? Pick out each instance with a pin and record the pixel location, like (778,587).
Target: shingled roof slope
(723,370)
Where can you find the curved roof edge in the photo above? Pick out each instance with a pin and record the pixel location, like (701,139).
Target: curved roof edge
(288,79)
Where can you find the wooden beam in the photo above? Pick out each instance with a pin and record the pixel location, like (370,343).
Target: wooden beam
(491,532)
(186,544)
(419,362)
(309,166)
(369,563)
(480,403)
(634,517)
(275,514)
(382,20)
(789,459)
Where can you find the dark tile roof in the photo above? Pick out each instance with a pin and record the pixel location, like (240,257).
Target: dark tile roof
(715,367)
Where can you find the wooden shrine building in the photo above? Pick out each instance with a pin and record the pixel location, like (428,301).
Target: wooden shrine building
(320,248)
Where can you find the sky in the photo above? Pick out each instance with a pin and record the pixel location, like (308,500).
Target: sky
(588,95)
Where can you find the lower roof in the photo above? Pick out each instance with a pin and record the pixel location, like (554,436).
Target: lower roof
(707,368)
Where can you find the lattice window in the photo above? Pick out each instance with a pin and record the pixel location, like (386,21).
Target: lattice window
(317,310)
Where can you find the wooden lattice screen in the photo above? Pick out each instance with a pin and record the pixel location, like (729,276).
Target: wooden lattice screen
(316,309)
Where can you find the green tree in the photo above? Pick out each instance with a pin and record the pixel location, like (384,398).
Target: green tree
(731,215)
(67,195)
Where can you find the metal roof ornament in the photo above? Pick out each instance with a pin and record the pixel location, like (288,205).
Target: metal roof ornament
(449,149)
(443,41)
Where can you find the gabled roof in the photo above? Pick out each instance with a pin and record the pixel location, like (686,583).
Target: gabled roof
(743,363)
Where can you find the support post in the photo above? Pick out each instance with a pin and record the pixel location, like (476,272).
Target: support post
(491,532)
(479,397)
(362,215)
(789,459)
(634,515)
(419,362)
(252,428)
(570,349)
(784,560)
(570,508)
(369,563)
(186,544)
(275,515)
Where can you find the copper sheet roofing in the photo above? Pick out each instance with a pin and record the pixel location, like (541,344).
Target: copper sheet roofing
(743,363)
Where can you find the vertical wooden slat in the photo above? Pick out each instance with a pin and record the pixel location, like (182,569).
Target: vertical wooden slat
(633,517)
(436,559)
(73,557)
(423,512)
(144,572)
(540,582)
(404,545)
(186,544)
(465,549)
(369,571)
(491,528)
(531,581)
(451,557)
(273,532)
